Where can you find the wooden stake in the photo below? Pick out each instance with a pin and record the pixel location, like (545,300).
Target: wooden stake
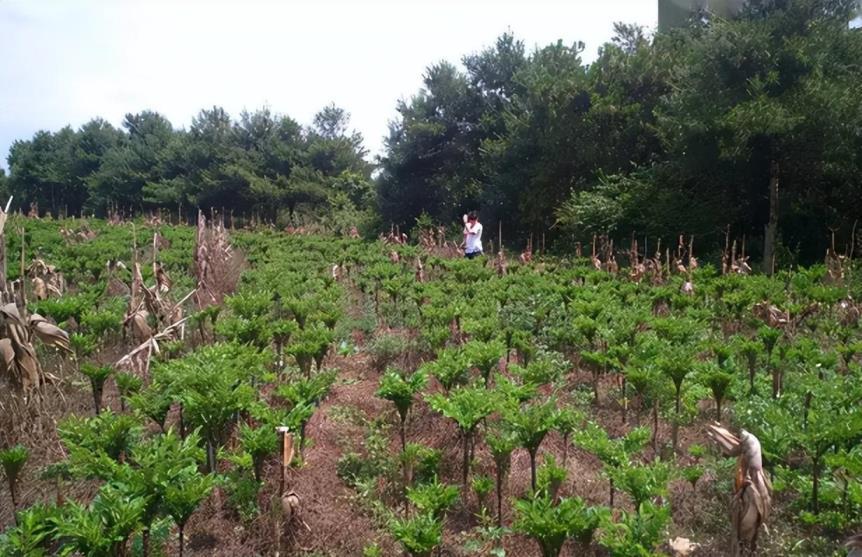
(23,279)
(286,455)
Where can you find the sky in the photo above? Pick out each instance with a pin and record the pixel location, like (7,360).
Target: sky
(68,61)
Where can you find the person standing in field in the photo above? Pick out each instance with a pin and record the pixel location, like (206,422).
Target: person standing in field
(472,235)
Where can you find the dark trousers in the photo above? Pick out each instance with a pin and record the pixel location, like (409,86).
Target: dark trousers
(473,254)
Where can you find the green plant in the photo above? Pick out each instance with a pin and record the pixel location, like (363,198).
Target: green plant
(748,349)
(57,472)
(418,535)
(153,465)
(636,534)
(259,442)
(83,345)
(676,365)
(128,384)
(419,463)
(642,482)
(32,535)
(692,474)
(501,442)
(385,349)
(372,549)
(466,406)
(614,453)
(482,486)
(214,384)
(183,495)
(400,390)
(97,376)
(485,356)
(433,497)
(97,444)
(550,477)
(566,422)
(311,389)
(242,492)
(530,424)
(13,460)
(718,382)
(451,368)
(103,528)
(100,323)
(551,524)
(154,402)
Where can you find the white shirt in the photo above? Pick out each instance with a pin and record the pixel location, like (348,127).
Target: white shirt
(474,238)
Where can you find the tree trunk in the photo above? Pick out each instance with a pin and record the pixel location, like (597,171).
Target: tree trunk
(2,261)
(625,402)
(499,498)
(595,387)
(771,232)
(675,428)
(751,372)
(815,484)
(211,463)
(180,528)
(466,463)
(97,396)
(533,468)
(14,494)
(776,381)
(145,542)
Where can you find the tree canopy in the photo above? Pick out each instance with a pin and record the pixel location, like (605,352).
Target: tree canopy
(751,122)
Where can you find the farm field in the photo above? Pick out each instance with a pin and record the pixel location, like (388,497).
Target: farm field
(433,405)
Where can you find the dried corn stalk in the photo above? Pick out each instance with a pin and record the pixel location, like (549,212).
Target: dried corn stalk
(138,359)
(420,270)
(49,333)
(500,264)
(752,491)
(214,259)
(46,280)
(17,356)
(163,281)
(834,266)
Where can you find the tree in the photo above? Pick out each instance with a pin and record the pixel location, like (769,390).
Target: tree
(431,162)
(544,139)
(774,134)
(132,163)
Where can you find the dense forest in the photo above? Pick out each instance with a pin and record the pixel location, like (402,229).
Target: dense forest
(753,123)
